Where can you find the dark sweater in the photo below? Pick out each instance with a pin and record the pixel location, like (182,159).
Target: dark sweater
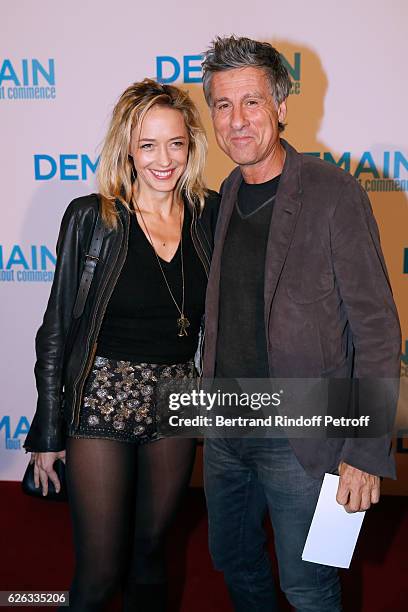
(241,346)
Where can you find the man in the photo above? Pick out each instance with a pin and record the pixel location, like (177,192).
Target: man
(298,288)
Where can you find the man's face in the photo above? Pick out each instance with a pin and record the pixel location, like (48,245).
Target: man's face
(245,115)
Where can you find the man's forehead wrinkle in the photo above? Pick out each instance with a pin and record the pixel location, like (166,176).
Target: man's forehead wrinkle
(251,81)
(228,86)
(247,94)
(239,74)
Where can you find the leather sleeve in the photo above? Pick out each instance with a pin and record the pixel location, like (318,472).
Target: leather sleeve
(364,287)
(46,431)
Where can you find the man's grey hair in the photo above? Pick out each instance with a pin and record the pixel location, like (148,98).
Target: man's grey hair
(226,53)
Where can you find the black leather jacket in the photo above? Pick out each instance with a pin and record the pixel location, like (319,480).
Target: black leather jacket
(60,380)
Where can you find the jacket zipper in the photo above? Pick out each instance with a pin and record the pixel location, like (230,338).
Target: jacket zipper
(89,361)
(205,266)
(207,271)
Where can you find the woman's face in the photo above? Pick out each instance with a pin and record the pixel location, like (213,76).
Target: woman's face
(160,149)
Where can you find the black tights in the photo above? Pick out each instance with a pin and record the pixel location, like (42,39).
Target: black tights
(123,498)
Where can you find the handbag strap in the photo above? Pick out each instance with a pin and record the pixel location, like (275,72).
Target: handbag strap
(91,260)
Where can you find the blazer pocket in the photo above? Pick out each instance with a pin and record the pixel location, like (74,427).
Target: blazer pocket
(341,370)
(307,289)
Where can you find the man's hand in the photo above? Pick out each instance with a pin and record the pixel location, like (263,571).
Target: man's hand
(357,490)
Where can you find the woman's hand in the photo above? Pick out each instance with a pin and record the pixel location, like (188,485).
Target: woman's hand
(44,469)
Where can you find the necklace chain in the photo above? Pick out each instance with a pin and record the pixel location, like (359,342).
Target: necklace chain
(182,321)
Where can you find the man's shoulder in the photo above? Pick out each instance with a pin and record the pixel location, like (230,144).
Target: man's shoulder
(314,173)
(324,186)
(319,172)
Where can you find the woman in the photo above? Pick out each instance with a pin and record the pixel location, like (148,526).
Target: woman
(140,322)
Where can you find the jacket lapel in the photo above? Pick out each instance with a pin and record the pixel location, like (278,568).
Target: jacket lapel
(284,218)
(229,196)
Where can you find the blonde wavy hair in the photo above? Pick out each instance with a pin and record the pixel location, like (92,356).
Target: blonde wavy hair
(115,173)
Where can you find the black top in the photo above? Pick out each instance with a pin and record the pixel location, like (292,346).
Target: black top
(140,322)
(241,346)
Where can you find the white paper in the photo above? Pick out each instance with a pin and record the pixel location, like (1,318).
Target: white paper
(333,533)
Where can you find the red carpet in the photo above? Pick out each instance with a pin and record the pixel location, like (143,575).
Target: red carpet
(37,555)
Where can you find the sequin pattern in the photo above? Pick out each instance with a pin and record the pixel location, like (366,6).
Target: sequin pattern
(119,401)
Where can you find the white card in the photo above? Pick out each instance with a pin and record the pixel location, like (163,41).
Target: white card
(333,533)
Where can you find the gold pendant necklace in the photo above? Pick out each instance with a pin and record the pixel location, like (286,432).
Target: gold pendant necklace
(182,321)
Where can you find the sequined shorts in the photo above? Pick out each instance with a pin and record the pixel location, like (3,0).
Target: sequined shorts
(119,399)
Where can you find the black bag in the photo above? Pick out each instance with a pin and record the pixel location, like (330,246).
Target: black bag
(29,487)
(91,260)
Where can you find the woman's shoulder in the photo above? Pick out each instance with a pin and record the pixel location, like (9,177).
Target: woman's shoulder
(209,214)
(212,198)
(79,218)
(211,204)
(83,205)
(81,211)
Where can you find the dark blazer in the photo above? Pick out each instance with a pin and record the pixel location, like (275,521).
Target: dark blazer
(329,310)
